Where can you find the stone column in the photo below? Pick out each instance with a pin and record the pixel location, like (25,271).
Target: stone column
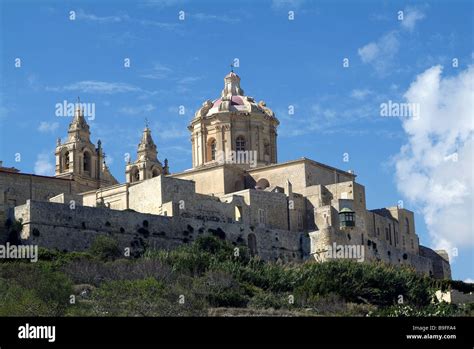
(193,148)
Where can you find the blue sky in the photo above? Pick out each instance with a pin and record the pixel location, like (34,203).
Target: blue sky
(285,62)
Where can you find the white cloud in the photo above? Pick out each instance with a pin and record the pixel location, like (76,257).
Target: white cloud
(142,109)
(174,130)
(369,52)
(81,14)
(469,280)
(90,17)
(189,80)
(283,4)
(218,18)
(318,118)
(410,17)
(92,86)
(381,52)
(45,126)
(158,72)
(434,168)
(44,165)
(360,94)
(162,3)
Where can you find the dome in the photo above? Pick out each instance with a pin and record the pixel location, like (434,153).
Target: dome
(233,100)
(234,123)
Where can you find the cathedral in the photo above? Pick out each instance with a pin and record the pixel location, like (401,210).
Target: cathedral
(236,189)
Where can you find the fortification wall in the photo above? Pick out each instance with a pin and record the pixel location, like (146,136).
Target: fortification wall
(55,225)
(373,249)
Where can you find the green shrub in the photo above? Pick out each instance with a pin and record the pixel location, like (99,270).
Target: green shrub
(129,298)
(20,301)
(46,290)
(105,248)
(224,291)
(147,297)
(268,300)
(374,283)
(434,309)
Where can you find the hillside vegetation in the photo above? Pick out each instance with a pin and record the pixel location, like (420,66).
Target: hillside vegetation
(211,277)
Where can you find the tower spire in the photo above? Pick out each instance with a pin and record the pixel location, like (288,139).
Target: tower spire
(78,128)
(146,147)
(147,165)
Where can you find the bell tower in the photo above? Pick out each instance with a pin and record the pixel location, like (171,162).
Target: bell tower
(147,164)
(78,158)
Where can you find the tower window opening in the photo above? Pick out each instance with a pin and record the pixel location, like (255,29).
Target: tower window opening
(240,144)
(213,150)
(87,162)
(66,160)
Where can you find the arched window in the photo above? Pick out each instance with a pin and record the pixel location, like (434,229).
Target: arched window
(262,184)
(211,149)
(66,160)
(407,225)
(155,172)
(134,175)
(87,162)
(240,143)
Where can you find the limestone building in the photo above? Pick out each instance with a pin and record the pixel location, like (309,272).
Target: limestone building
(79,159)
(236,189)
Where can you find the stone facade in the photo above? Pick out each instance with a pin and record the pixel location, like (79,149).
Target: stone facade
(79,159)
(290,211)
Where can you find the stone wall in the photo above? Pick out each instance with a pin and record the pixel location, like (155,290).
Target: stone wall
(301,173)
(376,250)
(440,260)
(215,179)
(56,225)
